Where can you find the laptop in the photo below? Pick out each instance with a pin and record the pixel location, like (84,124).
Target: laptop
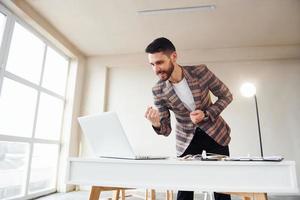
(106,136)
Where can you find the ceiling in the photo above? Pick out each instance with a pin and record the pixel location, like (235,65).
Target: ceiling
(99,27)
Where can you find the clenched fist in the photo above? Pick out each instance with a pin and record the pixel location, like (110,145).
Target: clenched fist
(197,116)
(153,116)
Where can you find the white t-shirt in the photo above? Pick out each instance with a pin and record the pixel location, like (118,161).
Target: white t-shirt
(185,94)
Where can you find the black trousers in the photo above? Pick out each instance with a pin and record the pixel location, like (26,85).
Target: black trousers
(201,141)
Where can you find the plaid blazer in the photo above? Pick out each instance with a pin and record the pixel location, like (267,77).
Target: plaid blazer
(200,80)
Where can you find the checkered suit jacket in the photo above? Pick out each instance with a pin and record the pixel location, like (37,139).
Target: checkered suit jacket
(200,80)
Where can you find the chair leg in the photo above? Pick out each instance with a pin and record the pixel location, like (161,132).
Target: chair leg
(169,195)
(116,194)
(147,194)
(153,195)
(122,194)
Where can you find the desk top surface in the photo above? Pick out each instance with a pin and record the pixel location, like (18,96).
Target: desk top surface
(175,161)
(222,176)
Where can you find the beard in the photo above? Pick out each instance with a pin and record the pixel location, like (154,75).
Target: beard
(166,74)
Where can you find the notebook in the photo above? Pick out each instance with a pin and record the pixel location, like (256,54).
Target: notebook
(106,136)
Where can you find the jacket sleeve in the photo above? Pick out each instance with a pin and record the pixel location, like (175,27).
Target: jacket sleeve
(164,113)
(220,90)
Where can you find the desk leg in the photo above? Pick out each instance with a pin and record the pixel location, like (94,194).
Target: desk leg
(96,190)
(246,198)
(95,193)
(260,196)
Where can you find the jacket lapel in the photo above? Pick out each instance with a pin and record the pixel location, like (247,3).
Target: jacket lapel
(172,97)
(194,86)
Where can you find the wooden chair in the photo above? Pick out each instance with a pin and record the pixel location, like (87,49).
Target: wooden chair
(169,194)
(96,191)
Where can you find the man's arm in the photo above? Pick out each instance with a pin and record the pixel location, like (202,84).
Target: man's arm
(220,90)
(164,115)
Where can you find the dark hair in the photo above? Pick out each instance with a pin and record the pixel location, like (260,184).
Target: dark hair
(160,45)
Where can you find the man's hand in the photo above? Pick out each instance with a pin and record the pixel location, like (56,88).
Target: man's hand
(153,116)
(197,116)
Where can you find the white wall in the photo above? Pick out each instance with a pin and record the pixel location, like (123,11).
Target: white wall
(128,90)
(93,98)
(129,93)
(278,98)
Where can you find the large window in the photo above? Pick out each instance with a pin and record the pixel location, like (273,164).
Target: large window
(32,97)
(25,57)
(17,108)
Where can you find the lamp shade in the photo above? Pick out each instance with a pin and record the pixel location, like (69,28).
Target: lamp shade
(248,90)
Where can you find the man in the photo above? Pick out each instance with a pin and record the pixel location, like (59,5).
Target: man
(185,91)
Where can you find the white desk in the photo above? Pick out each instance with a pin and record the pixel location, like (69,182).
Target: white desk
(220,176)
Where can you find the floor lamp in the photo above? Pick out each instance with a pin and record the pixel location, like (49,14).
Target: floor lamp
(249,90)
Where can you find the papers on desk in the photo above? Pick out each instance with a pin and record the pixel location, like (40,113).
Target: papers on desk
(249,158)
(217,157)
(204,156)
(199,157)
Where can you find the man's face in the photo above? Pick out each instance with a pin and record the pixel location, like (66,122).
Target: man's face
(162,64)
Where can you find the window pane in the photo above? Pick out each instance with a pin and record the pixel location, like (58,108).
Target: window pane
(13,162)
(17,108)
(26,53)
(2,24)
(43,167)
(56,69)
(49,117)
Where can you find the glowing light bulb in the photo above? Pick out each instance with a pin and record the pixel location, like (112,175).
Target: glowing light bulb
(248,90)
